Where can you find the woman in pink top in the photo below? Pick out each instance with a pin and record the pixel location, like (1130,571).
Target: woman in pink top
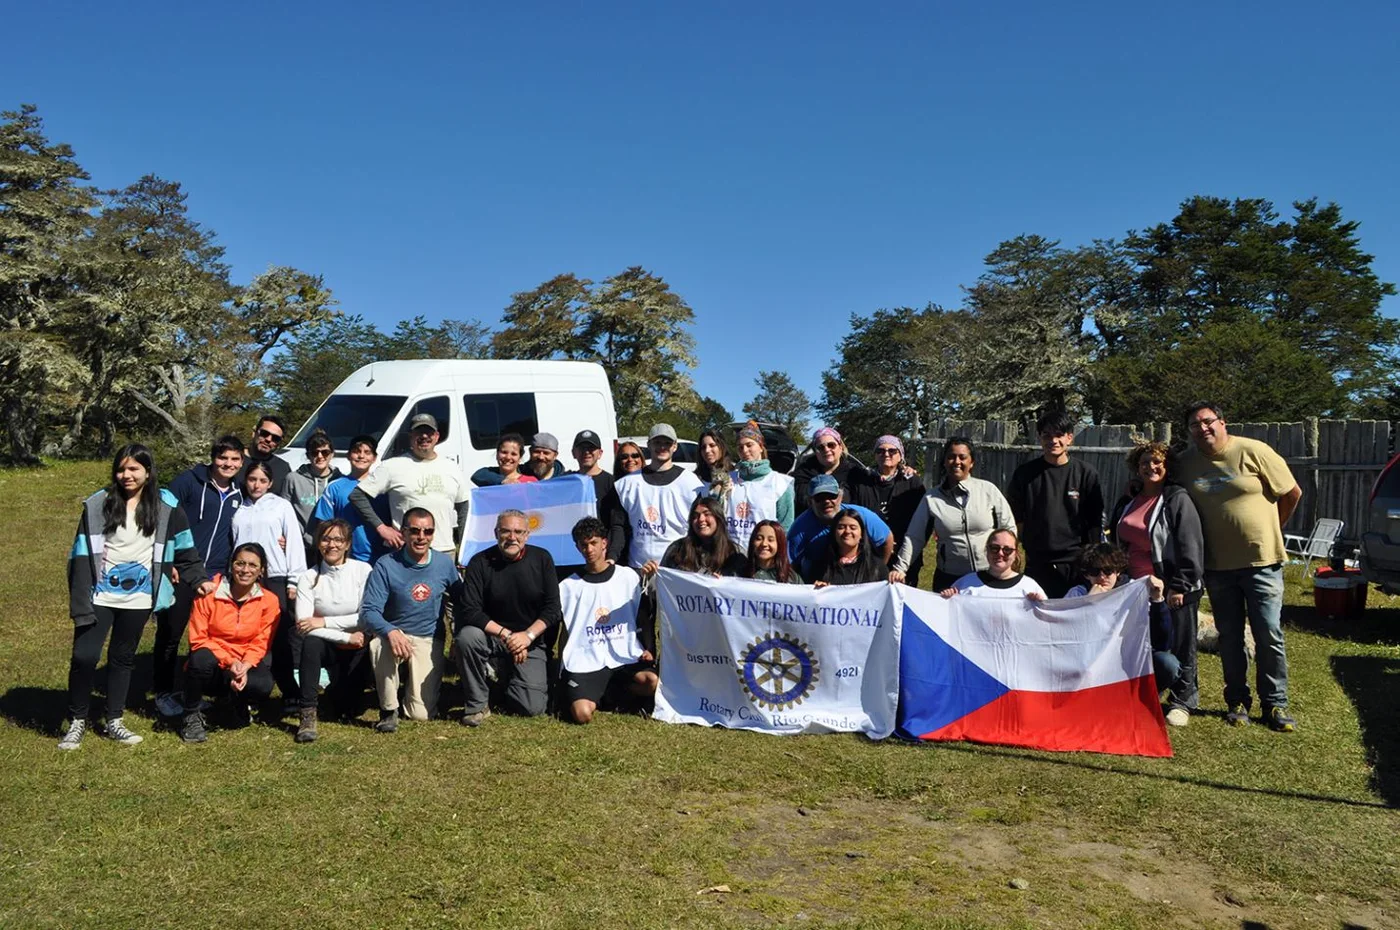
(1157,525)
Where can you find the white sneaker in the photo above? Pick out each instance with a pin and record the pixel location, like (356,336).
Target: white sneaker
(168,705)
(74,737)
(1178,716)
(116,730)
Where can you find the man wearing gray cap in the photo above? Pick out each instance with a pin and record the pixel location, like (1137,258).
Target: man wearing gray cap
(544,457)
(657,499)
(421,478)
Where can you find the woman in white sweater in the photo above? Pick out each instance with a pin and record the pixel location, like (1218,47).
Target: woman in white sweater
(269,520)
(328,618)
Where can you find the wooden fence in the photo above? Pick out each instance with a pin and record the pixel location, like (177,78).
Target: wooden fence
(1335,461)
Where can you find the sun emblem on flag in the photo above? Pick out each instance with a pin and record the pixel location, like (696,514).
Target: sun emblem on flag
(534,520)
(653,515)
(778,672)
(420,591)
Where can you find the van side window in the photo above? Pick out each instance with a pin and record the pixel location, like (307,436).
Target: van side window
(441,409)
(490,416)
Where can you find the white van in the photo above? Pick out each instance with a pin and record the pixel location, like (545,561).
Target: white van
(475,402)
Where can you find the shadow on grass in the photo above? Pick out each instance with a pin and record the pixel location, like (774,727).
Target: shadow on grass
(1373,684)
(39,709)
(1032,756)
(1376,627)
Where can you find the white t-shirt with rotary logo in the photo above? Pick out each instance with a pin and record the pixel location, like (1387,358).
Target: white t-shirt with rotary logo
(601,619)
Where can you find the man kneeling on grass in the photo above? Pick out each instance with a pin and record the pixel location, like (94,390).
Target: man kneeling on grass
(611,634)
(402,603)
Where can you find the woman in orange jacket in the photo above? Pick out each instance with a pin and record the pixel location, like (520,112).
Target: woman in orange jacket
(230,630)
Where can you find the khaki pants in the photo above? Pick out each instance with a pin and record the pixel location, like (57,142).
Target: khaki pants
(422,676)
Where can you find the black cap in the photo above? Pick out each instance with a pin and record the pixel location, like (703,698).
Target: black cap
(587,438)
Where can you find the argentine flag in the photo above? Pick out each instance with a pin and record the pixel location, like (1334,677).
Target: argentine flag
(552,508)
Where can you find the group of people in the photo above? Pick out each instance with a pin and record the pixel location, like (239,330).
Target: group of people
(313,579)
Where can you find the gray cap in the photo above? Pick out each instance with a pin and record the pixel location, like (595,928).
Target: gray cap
(423,419)
(823,484)
(663,429)
(545,441)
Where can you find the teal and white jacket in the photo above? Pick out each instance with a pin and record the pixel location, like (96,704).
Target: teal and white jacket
(173,547)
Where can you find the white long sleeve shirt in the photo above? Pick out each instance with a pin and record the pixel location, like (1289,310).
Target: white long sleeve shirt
(333,592)
(266,520)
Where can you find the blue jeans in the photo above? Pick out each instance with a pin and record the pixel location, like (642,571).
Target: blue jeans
(1166,668)
(1255,594)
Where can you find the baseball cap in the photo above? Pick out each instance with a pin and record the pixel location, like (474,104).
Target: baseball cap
(823,484)
(423,419)
(587,438)
(663,429)
(545,441)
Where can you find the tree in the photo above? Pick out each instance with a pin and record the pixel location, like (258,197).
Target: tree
(780,401)
(896,371)
(547,322)
(317,359)
(639,329)
(43,209)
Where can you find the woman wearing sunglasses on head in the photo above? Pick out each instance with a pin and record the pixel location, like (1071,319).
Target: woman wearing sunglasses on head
(130,536)
(1003,575)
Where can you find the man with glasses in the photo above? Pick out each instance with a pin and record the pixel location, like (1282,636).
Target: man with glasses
(267,439)
(510,610)
(1058,505)
(1244,493)
(588,452)
(305,486)
(403,599)
(657,499)
(829,457)
(807,539)
(422,478)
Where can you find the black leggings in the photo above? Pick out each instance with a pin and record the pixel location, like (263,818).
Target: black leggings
(125,627)
(204,678)
(349,670)
(286,643)
(170,629)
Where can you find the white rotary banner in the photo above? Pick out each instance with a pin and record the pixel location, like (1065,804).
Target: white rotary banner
(777,658)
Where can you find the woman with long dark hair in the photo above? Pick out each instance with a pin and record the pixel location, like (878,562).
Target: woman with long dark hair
(269,521)
(706,547)
(768,554)
(714,465)
(849,558)
(510,449)
(130,537)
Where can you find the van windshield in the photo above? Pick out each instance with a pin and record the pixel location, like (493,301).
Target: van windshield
(345,416)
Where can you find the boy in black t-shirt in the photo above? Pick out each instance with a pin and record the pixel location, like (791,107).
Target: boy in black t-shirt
(1058,505)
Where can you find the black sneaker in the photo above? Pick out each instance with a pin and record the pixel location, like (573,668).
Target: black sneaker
(192,730)
(1279,721)
(1238,715)
(388,721)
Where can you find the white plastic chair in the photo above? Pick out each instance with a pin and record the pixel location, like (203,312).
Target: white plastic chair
(1325,533)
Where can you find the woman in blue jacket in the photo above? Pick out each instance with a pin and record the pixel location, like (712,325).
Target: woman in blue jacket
(130,536)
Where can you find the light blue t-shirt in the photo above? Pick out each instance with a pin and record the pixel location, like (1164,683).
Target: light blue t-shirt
(808,536)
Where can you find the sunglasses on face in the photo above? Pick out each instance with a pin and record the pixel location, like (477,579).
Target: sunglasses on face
(1097,572)
(629,456)
(267,434)
(419,531)
(320,453)
(1001,550)
(887,452)
(829,445)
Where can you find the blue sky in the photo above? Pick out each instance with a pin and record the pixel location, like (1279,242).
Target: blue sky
(781,165)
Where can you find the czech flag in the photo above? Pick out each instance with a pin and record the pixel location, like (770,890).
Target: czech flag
(1066,675)
(551,509)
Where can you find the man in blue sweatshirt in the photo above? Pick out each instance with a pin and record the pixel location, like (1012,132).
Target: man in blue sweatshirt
(402,602)
(210,496)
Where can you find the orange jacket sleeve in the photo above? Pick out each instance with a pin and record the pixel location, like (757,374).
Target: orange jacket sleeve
(200,613)
(257,646)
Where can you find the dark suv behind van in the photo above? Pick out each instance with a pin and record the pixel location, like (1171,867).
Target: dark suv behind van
(1380,544)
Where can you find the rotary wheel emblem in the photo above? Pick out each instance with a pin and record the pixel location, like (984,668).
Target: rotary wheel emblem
(778,672)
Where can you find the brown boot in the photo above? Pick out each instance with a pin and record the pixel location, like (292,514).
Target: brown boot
(306,731)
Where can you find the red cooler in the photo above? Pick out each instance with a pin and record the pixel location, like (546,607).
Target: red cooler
(1339,595)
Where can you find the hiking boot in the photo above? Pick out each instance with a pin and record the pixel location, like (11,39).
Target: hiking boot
(1238,716)
(74,737)
(388,721)
(192,730)
(1178,717)
(116,730)
(474,720)
(1279,721)
(306,732)
(168,705)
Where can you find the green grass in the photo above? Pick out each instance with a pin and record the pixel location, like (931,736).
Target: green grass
(532,823)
